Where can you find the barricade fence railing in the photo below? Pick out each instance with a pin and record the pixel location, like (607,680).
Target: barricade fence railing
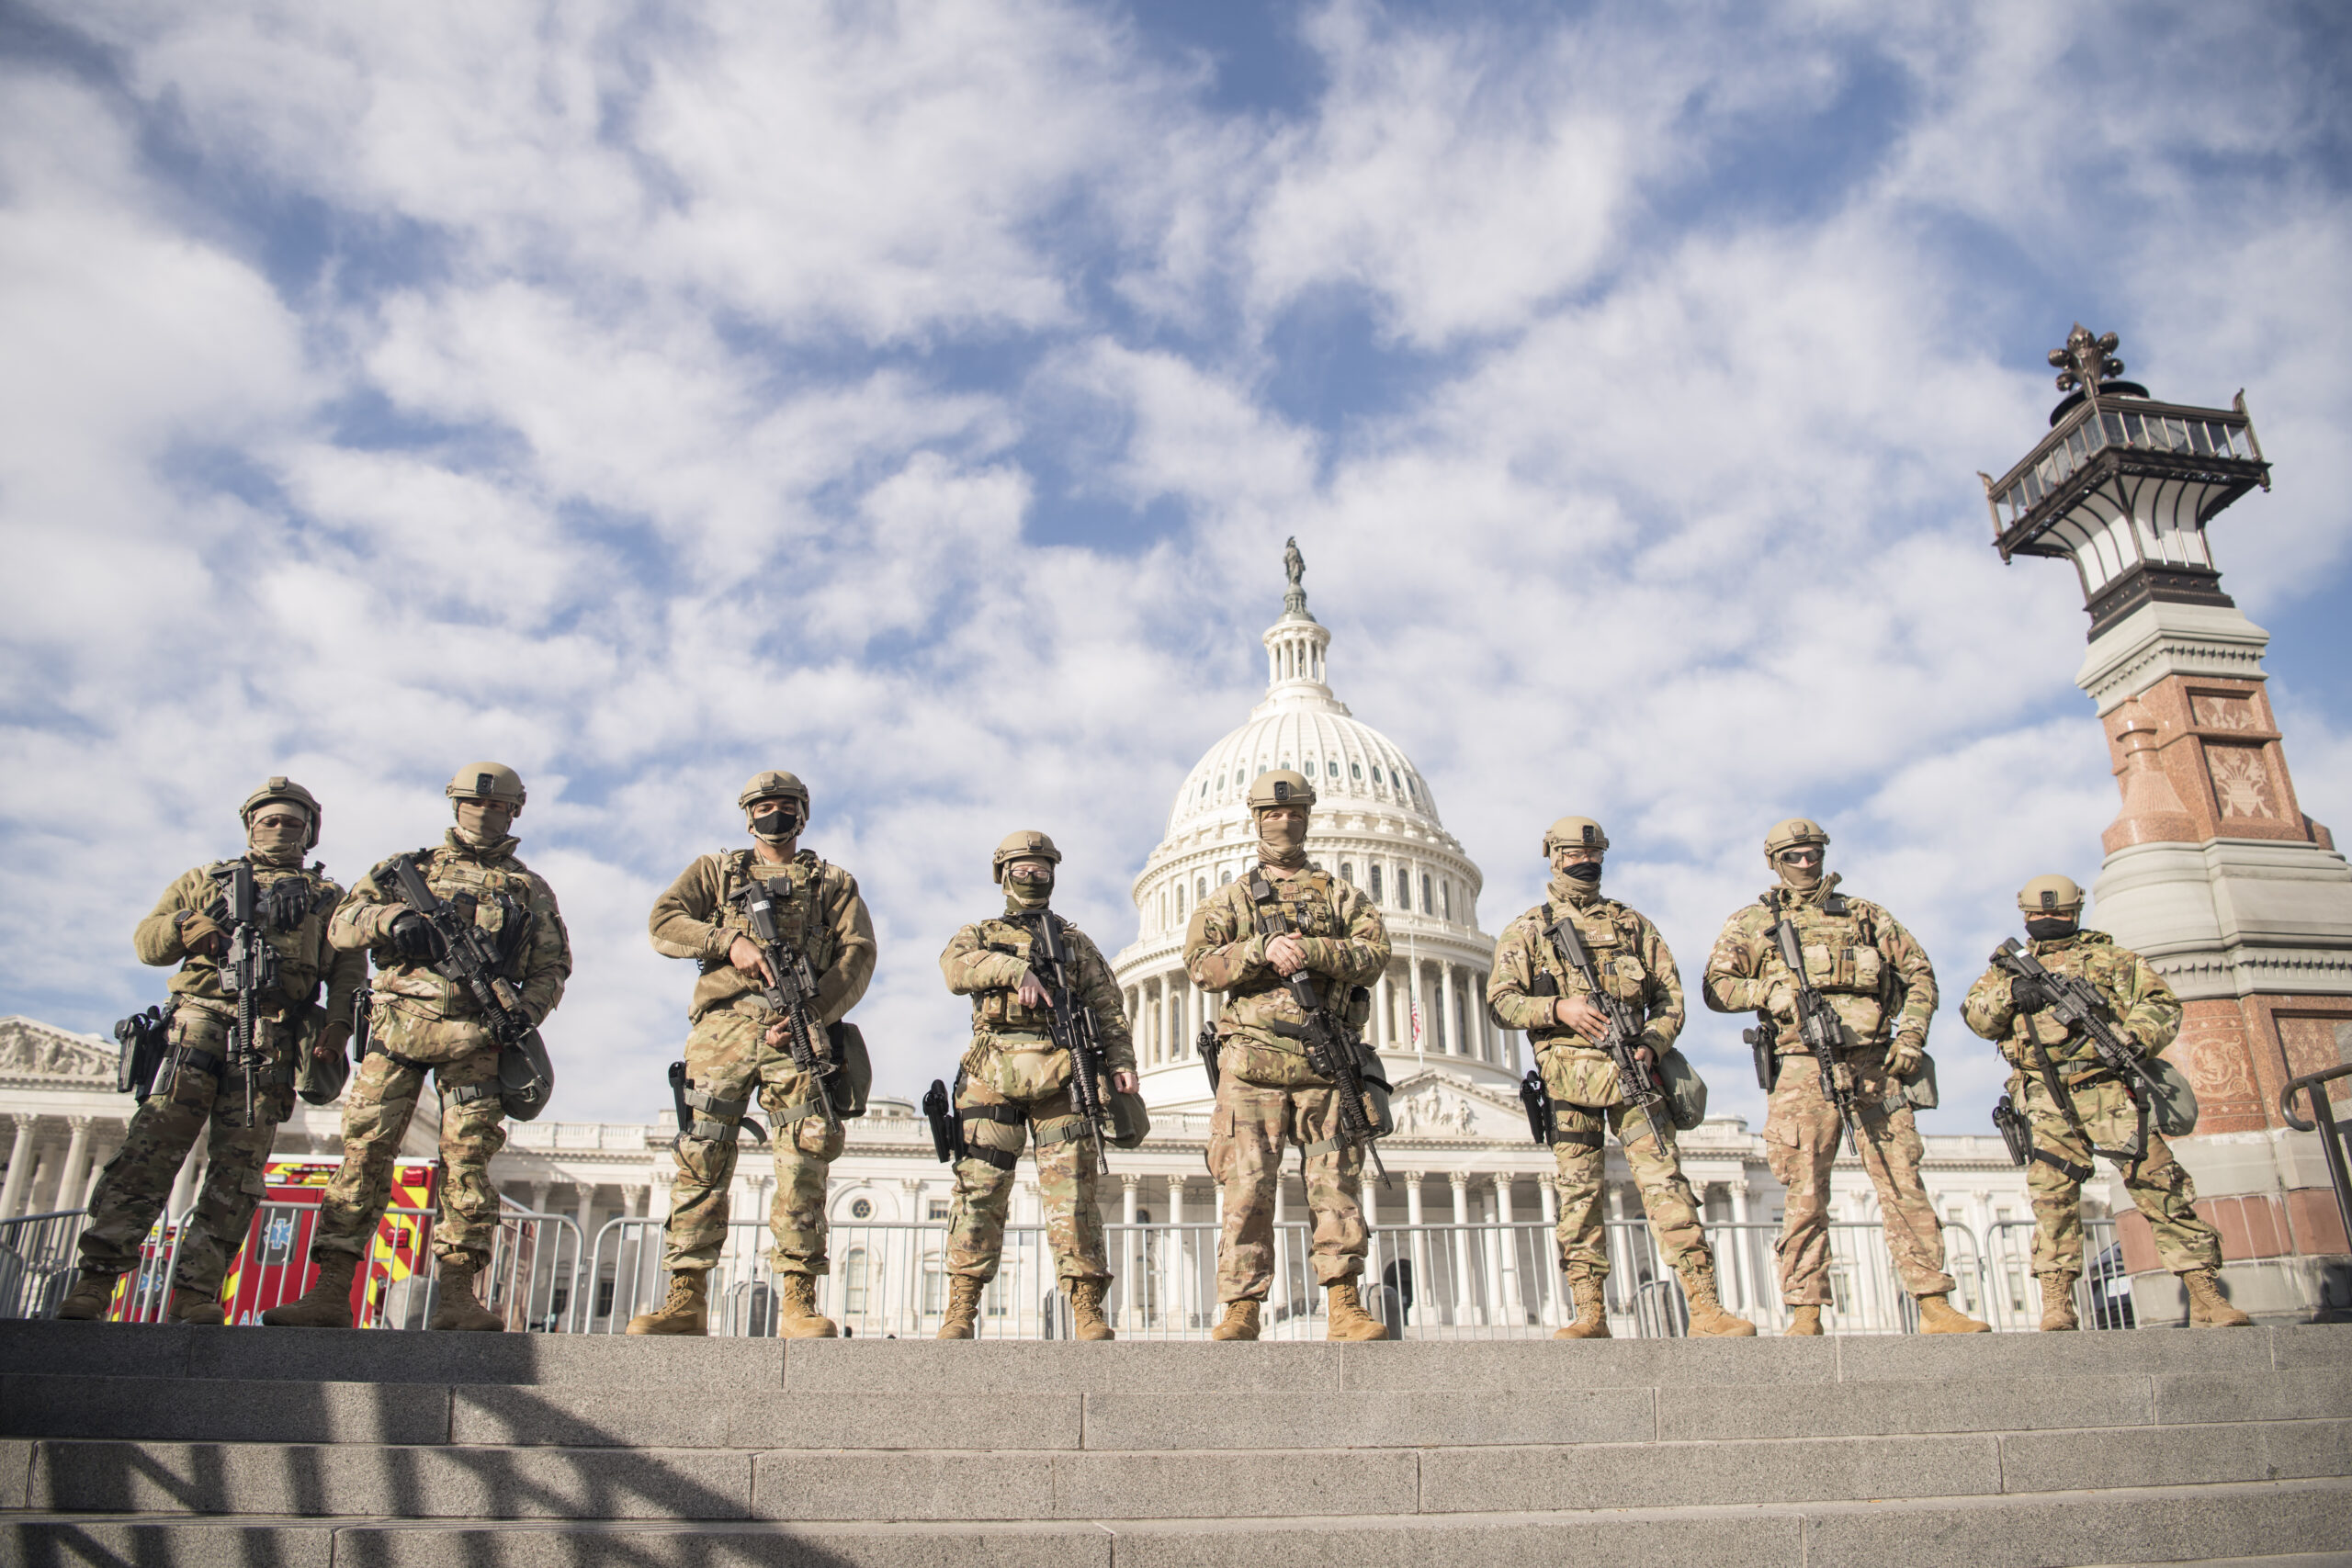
(1478,1281)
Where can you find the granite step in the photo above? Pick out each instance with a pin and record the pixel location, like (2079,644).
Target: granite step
(2247,1525)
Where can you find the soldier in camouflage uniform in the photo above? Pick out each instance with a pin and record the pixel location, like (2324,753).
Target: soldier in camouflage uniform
(738,1044)
(1532,989)
(2091,1105)
(1015,1081)
(1877,979)
(425,1024)
(199,1081)
(1267,1092)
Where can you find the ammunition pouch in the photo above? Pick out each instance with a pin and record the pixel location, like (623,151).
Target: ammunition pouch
(1686,1091)
(145,1038)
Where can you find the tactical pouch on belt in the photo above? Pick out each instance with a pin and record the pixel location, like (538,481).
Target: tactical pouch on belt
(1918,1091)
(2176,1103)
(525,1076)
(1375,1090)
(1130,1122)
(852,1078)
(1686,1091)
(318,1082)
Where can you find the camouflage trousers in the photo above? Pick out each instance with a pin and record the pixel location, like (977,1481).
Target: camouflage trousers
(137,1182)
(1064,1188)
(726,1056)
(1801,1133)
(2155,1180)
(1578,1148)
(377,1110)
(1246,1139)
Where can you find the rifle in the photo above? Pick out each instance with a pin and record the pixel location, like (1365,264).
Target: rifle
(1071,1024)
(1330,1049)
(2075,1003)
(247,969)
(1817,1026)
(1621,1038)
(792,995)
(466,954)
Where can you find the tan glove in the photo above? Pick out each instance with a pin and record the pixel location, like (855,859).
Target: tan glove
(1904,1056)
(203,935)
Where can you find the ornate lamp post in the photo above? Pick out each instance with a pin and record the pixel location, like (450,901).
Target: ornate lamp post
(2212,870)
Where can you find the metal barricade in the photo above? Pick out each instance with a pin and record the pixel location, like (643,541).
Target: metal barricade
(2102,1294)
(37,1261)
(2333,1133)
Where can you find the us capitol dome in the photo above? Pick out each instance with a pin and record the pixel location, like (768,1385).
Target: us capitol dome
(1375,824)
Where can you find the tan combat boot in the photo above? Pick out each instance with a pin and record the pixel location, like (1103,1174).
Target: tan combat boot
(460,1308)
(1240,1322)
(1343,1311)
(685,1310)
(2207,1308)
(1086,1318)
(195,1306)
(1804,1322)
(963,1306)
(1708,1319)
(1937,1315)
(2057,1302)
(800,1318)
(1592,1312)
(327,1303)
(88,1300)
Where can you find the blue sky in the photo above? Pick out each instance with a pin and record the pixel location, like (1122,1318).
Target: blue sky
(917,397)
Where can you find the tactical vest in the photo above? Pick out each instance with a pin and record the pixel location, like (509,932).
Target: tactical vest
(1000,1010)
(2074,1056)
(1840,946)
(1309,909)
(806,902)
(495,899)
(293,906)
(1615,946)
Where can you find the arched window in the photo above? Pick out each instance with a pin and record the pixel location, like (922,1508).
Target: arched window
(1347,874)
(1376,884)
(1445,897)
(854,1282)
(1180,900)
(1429,905)
(1200,889)
(1225,876)
(1356,769)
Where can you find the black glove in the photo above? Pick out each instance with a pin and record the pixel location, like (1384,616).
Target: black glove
(413,938)
(2025,994)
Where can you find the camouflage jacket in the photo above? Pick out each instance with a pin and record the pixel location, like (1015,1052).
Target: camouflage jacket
(2138,1001)
(1630,956)
(1346,943)
(985,962)
(819,913)
(295,907)
(505,899)
(1874,973)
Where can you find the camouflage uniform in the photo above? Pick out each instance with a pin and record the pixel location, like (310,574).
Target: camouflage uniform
(1019,1081)
(1633,962)
(1267,1092)
(423,1023)
(819,914)
(2146,1012)
(1877,979)
(197,1083)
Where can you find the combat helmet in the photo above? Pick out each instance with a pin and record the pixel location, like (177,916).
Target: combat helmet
(2050,895)
(1574,832)
(775,784)
(486,780)
(1791,834)
(280,787)
(1280,786)
(1027,845)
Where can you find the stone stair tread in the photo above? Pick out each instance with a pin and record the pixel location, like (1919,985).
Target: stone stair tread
(2261,1525)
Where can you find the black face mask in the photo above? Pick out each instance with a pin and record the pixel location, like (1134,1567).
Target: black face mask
(776,826)
(2051,928)
(1584,871)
